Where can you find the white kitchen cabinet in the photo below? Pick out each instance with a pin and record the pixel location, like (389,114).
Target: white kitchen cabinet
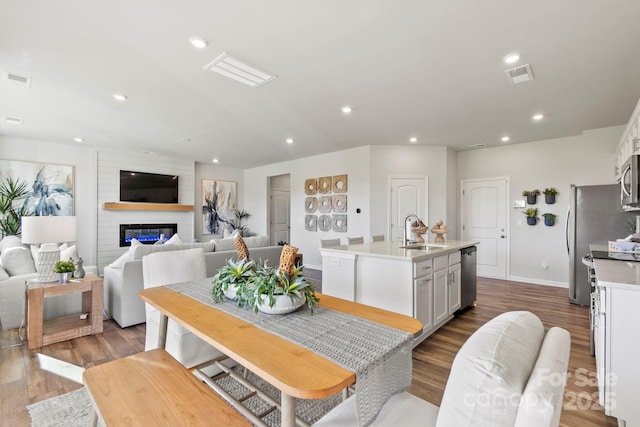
(423,291)
(440,296)
(629,143)
(455,271)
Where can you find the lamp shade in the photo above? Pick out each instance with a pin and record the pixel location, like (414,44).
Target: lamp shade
(49,229)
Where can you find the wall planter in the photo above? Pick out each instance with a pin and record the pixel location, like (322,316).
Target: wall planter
(549,219)
(531,195)
(532,215)
(550,195)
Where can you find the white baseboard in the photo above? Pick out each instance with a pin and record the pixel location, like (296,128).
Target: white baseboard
(538,281)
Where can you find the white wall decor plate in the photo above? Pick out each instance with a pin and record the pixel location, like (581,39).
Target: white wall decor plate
(340,183)
(310,186)
(324,185)
(310,223)
(340,223)
(324,222)
(339,203)
(310,204)
(324,204)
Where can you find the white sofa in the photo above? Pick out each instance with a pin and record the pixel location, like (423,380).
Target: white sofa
(123,278)
(16,267)
(508,373)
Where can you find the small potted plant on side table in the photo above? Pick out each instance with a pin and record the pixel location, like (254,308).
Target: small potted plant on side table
(531,195)
(64,268)
(550,195)
(532,215)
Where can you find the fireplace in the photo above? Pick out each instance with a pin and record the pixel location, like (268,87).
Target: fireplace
(146,234)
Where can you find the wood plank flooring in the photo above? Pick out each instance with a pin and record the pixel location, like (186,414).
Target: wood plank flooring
(22,382)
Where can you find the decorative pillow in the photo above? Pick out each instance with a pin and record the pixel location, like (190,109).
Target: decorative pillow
(69,252)
(224,244)
(11,242)
(288,259)
(34,253)
(174,240)
(127,256)
(3,274)
(257,241)
(231,234)
(17,260)
(241,248)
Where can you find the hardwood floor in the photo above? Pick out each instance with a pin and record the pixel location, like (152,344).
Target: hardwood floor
(22,382)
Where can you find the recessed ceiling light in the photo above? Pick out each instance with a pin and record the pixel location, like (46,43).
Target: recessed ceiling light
(152,153)
(289,140)
(413,139)
(120,97)
(14,120)
(185,139)
(346,109)
(511,58)
(505,139)
(198,42)
(538,117)
(78,139)
(216,161)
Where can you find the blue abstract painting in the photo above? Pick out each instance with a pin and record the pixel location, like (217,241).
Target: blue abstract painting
(50,186)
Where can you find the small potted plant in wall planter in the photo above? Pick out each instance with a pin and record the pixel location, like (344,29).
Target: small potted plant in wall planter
(550,195)
(65,268)
(549,219)
(531,196)
(532,215)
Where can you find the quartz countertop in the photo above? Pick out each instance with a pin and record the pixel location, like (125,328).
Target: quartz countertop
(393,249)
(617,274)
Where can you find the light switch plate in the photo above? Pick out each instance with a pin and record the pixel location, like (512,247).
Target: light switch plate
(518,204)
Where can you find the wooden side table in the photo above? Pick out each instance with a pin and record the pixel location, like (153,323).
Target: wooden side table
(86,322)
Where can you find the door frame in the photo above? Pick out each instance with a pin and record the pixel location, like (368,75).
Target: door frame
(389,199)
(507,219)
(270,188)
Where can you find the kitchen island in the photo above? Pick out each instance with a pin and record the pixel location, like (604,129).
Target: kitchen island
(420,282)
(615,326)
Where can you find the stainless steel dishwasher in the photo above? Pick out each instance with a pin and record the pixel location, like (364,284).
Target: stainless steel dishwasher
(468,279)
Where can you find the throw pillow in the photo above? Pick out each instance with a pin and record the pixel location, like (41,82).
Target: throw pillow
(10,242)
(3,274)
(17,260)
(174,240)
(231,234)
(241,248)
(127,256)
(69,252)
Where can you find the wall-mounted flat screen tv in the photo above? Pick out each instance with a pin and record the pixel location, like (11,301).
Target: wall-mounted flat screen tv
(148,187)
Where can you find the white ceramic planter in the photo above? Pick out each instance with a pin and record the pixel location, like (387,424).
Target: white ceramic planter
(231,292)
(283,304)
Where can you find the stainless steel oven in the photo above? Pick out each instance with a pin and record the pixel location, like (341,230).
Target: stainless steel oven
(629,181)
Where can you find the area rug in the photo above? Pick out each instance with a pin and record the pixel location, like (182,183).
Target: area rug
(74,409)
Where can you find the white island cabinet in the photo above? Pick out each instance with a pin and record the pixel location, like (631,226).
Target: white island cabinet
(617,339)
(424,284)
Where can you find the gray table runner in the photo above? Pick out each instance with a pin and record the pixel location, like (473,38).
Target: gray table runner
(379,355)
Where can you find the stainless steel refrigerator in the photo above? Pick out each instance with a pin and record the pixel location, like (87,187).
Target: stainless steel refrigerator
(595,216)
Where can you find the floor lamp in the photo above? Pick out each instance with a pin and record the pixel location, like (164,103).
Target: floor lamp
(48,231)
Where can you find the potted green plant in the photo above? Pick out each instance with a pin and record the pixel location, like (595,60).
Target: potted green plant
(531,195)
(12,192)
(241,217)
(65,268)
(231,280)
(550,195)
(274,291)
(532,215)
(549,219)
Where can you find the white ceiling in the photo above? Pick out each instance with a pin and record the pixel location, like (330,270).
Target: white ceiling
(426,68)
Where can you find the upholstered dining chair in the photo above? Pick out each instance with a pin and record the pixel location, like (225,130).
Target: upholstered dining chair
(327,243)
(164,268)
(355,240)
(377,238)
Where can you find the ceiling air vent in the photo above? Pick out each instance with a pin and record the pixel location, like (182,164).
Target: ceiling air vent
(519,74)
(239,71)
(16,80)
(477,145)
(14,120)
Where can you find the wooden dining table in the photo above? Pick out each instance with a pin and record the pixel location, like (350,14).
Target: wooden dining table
(296,371)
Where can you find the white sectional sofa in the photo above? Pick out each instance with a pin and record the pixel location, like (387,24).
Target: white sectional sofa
(123,278)
(16,267)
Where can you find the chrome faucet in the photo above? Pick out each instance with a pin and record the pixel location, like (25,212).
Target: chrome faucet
(407,228)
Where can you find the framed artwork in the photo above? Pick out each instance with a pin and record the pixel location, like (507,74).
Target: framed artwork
(219,200)
(340,223)
(324,222)
(310,223)
(310,204)
(310,186)
(50,186)
(339,202)
(340,184)
(324,204)
(324,185)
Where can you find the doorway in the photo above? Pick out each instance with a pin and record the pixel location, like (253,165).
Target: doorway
(279,208)
(484,217)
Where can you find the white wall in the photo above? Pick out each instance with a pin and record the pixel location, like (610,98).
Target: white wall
(354,163)
(83,159)
(109,164)
(587,159)
(211,171)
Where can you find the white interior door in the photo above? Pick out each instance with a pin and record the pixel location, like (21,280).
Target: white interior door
(280,218)
(408,196)
(484,212)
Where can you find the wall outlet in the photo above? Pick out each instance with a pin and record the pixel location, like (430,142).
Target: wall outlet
(545,265)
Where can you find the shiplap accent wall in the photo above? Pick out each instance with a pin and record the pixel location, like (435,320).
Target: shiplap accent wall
(109,165)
